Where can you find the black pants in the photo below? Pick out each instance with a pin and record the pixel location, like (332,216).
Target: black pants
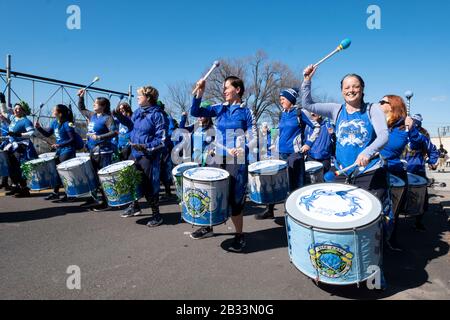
(296,169)
(61,158)
(150,168)
(15,173)
(124,153)
(375,182)
(402,204)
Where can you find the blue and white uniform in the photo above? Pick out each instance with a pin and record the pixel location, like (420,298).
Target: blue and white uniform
(233,123)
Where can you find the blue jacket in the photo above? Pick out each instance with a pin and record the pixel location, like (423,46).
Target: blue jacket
(394,148)
(148,129)
(292,132)
(322,147)
(64,134)
(124,126)
(416,152)
(228,119)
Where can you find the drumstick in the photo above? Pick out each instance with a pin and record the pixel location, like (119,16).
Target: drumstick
(342,46)
(215,65)
(39,114)
(330,176)
(93,81)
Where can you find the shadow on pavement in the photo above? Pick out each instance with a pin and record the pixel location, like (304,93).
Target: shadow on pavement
(39,214)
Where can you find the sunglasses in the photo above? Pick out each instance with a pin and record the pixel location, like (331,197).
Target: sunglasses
(382,102)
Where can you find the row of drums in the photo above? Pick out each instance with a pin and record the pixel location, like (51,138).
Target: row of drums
(120,181)
(334,230)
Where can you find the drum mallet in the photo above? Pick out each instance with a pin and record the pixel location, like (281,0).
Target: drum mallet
(342,46)
(90,85)
(331,176)
(216,64)
(40,109)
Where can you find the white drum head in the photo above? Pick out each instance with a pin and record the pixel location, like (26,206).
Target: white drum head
(116,167)
(39,160)
(267,166)
(206,174)
(396,182)
(333,206)
(83,155)
(47,155)
(313,166)
(72,163)
(179,169)
(415,180)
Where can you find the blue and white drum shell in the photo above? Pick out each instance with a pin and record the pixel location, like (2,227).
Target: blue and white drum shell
(78,177)
(314,172)
(268,181)
(177,174)
(397,190)
(47,155)
(334,233)
(109,177)
(43,174)
(4,164)
(415,197)
(205,196)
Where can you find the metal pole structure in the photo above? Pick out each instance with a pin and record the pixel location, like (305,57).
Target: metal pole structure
(34,108)
(8,80)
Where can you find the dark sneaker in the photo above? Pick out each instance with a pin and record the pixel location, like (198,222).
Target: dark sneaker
(23,193)
(393,246)
(63,199)
(52,196)
(132,211)
(13,191)
(238,243)
(155,221)
(202,233)
(101,207)
(89,203)
(267,214)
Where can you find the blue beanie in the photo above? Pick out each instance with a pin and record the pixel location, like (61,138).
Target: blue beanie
(417,119)
(291,94)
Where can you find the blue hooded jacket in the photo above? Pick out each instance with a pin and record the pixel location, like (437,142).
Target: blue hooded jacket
(416,152)
(149,129)
(321,149)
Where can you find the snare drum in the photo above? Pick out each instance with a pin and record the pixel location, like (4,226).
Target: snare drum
(415,197)
(4,164)
(397,190)
(177,174)
(40,173)
(78,177)
(205,196)
(334,232)
(121,182)
(314,172)
(83,155)
(268,181)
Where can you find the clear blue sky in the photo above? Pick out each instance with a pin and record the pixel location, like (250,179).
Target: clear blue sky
(161,42)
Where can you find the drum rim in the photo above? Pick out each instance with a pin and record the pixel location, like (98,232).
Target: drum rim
(396,177)
(203,180)
(420,178)
(315,169)
(180,174)
(40,160)
(60,167)
(335,228)
(283,166)
(100,173)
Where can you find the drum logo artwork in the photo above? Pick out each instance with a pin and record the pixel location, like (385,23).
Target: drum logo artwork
(198,202)
(331,260)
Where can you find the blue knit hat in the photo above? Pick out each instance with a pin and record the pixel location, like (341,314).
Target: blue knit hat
(417,119)
(291,94)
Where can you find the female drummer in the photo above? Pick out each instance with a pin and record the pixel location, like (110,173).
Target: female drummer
(64,130)
(202,136)
(20,148)
(292,143)
(123,114)
(100,133)
(147,142)
(401,130)
(361,132)
(234,121)
(418,155)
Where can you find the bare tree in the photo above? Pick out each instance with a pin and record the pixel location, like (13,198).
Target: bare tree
(179,99)
(264,80)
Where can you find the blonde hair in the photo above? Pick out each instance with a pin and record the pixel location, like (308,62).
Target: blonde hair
(151,93)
